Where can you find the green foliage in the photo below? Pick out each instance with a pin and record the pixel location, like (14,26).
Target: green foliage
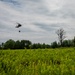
(26,44)
(41,46)
(74,42)
(38,62)
(17,44)
(54,45)
(0,47)
(9,44)
(67,43)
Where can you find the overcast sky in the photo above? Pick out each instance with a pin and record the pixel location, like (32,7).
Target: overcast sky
(40,19)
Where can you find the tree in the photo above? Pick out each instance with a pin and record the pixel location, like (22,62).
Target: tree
(9,44)
(54,45)
(74,41)
(25,44)
(17,45)
(28,44)
(0,47)
(67,43)
(61,35)
(43,46)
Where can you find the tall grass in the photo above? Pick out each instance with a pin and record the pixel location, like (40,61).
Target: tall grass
(38,62)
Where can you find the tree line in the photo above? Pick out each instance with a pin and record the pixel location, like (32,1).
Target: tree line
(62,43)
(23,44)
(26,44)
(65,43)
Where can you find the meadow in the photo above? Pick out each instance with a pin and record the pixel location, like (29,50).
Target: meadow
(59,61)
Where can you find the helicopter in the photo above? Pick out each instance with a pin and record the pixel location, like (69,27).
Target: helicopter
(18,25)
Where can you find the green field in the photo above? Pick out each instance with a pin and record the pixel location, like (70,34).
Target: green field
(60,61)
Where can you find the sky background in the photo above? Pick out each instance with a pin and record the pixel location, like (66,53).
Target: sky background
(40,19)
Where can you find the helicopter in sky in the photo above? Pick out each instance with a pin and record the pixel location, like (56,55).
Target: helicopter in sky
(18,26)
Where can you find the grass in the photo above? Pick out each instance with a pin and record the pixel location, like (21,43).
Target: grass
(60,61)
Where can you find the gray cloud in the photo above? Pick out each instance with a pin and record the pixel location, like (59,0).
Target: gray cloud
(11,2)
(47,27)
(40,19)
